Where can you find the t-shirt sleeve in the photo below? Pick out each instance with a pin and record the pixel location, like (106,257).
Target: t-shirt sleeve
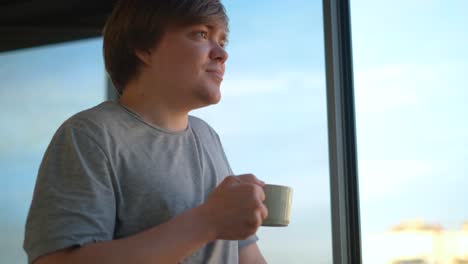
(73,202)
(248,241)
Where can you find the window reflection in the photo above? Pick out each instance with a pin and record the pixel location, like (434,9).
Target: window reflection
(40,88)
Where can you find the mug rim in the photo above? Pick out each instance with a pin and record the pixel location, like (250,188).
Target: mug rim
(277,185)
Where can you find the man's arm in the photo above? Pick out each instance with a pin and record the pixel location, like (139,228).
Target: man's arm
(236,198)
(251,255)
(170,242)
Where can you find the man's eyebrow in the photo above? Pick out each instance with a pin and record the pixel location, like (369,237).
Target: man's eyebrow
(224,35)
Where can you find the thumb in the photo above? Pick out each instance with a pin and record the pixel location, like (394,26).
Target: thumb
(250,178)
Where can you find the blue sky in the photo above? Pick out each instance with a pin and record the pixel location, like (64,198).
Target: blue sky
(410,63)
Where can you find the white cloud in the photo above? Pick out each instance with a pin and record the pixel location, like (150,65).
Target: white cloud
(252,104)
(391,87)
(385,178)
(249,85)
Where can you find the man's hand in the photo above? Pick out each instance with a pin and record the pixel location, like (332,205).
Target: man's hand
(236,208)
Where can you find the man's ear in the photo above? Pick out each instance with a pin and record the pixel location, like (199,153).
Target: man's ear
(144,56)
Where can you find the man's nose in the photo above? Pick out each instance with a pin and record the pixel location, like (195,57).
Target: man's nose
(218,53)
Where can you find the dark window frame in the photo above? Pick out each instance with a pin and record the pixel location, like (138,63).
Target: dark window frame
(344,189)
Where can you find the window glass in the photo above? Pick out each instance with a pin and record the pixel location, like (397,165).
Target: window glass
(410,65)
(40,88)
(272,118)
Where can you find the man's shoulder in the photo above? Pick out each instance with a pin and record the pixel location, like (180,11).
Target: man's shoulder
(94,120)
(200,125)
(101,113)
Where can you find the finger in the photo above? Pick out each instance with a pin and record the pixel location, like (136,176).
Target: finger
(256,220)
(252,191)
(250,178)
(260,193)
(232,180)
(263,212)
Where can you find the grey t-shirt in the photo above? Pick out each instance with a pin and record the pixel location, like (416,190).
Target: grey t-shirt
(108,174)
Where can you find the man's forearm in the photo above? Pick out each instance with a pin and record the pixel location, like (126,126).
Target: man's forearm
(170,242)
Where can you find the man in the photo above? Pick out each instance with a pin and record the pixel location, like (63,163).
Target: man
(139,180)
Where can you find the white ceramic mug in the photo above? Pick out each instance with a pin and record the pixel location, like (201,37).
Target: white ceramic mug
(278,201)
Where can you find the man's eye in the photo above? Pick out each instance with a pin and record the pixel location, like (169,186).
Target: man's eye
(223,43)
(202,34)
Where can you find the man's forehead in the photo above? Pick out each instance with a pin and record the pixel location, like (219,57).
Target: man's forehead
(222,28)
(218,27)
(213,25)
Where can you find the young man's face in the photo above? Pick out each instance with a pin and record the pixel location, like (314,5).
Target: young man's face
(188,65)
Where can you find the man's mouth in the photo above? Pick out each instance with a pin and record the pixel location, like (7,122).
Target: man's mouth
(216,73)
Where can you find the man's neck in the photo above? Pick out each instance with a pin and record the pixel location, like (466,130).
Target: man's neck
(154,110)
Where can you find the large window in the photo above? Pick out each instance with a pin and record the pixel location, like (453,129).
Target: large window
(40,88)
(411,65)
(272,118)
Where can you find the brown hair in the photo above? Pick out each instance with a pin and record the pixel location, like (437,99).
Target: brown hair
(140,24)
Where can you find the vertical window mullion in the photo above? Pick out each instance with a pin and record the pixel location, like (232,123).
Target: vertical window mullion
(341,131)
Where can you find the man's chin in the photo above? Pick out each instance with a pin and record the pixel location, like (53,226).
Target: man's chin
(216,99)
(213,99)
(212,95)
(207,99)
